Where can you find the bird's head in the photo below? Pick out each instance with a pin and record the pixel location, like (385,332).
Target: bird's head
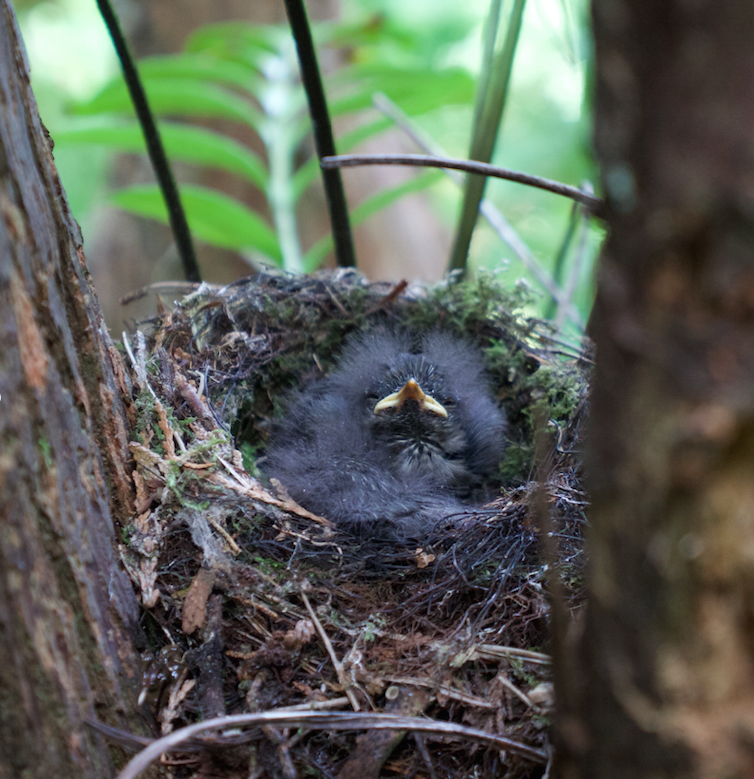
(408,385)
(412,411)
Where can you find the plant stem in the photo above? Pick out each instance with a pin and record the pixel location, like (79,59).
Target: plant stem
(323,136)
(155,148)
(278,134)
(489,113)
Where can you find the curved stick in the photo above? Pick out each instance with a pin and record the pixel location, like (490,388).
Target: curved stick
(594,204)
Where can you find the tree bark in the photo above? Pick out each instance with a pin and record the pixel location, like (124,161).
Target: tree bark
(662,682)
(67,610)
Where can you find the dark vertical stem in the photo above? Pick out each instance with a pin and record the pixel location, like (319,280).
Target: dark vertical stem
(323,137)
(155,149)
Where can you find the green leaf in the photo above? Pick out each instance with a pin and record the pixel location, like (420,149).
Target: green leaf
(371,206)
(238,42)
(251,46)
(416,90)
(185,97)
(368,32)
(202,67)
(212,216)
(182,142)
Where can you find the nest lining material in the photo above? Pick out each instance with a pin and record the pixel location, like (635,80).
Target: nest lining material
(268,606)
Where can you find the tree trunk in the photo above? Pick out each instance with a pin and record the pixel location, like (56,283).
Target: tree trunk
(662,682)
(67,610)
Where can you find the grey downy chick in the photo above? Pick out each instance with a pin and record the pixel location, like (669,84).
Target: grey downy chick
(400,435)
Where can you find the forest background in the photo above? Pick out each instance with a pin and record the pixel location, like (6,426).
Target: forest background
(426,56)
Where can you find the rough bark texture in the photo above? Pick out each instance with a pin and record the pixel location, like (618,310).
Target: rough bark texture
(67,610)
(662,684)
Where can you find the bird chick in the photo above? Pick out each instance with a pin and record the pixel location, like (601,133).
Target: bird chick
(402,434)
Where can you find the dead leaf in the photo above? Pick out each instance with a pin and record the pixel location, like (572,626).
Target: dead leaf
(195,603)
(423,559)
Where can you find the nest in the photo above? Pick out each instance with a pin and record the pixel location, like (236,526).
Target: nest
(255,606)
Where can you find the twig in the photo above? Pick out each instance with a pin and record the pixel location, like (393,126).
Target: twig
(330,721)
(344,683)
(138,365)
(594,204)
(562,254)
(181,287)
(442,689)
(505,230)
(546,774)
(508,684)
(494,651)
(246,485)
(332,703)
(426,757)
(234,547)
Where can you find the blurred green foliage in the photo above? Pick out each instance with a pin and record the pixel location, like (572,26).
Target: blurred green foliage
(248,74)
(424,56)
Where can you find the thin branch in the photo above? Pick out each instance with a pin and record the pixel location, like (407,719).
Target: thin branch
(181,288)
(504,652)
(331,652)
(595,205)
(155,148)
(508,684)
(323,136)
(328,721)
(487,208)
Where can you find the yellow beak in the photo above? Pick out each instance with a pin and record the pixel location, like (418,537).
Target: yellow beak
(411,391)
